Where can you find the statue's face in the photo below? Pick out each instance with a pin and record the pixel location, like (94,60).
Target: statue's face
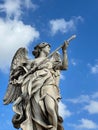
(46,49)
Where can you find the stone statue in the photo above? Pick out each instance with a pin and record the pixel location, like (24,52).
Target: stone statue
(34,88)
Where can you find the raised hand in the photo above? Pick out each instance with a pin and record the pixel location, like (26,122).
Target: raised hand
(65,45)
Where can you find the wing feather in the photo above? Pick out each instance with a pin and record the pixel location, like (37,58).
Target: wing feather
(14,90)
(9,94)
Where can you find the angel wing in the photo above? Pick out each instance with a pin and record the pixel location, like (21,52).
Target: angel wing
(16,69)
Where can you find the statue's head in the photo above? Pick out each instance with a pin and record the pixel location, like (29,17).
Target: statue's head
(40,47)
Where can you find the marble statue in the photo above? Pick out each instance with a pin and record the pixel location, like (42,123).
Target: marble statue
(34,87)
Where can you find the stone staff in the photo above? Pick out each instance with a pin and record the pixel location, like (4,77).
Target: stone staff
(51,54)
(67,41)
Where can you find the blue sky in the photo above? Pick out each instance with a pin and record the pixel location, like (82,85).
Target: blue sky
(26,23)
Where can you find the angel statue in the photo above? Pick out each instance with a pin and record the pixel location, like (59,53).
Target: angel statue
(34,88)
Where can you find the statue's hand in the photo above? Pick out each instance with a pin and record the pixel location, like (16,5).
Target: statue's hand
(65,45)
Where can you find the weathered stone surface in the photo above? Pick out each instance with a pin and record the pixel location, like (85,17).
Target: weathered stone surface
(34,88)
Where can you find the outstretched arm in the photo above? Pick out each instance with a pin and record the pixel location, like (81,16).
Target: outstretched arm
(64,65)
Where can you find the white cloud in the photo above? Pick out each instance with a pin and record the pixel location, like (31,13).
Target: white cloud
(94,68)
(63,26)
(80,99)
(95,95)
(28,4)
(13,8)
(84,98)
(89,102)
(62,76)
(63,111)
(92,108)
(73,62)
(14,34)
(87,124)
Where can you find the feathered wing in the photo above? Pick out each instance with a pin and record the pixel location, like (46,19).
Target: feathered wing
(14,90)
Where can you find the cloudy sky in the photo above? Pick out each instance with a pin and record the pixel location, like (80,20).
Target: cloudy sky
(26,23)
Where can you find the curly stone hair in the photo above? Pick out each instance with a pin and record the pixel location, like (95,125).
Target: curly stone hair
(38,48)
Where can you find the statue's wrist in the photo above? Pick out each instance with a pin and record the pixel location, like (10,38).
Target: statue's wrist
(64,51)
